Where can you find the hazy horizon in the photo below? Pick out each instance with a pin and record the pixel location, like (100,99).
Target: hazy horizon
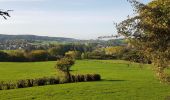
(80,19)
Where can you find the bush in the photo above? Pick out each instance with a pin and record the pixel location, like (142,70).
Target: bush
(17,56)
(85,78)
(29,83)
(73,54)
(38,55)
(3,56)
(6,86)
(47,81)
(22,84)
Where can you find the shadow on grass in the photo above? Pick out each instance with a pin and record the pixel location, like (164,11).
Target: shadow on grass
(113,80)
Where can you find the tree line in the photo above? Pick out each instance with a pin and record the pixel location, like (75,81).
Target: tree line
(76,51)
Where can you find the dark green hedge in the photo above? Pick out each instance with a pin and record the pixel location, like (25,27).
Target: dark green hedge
(47,81)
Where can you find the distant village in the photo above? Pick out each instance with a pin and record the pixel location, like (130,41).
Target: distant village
(19,44)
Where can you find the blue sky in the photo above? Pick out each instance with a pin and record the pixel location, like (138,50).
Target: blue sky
(81,19)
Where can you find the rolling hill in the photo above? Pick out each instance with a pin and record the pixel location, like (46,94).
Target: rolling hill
(35,37)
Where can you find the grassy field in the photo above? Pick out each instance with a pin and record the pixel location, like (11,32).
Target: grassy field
(119,82)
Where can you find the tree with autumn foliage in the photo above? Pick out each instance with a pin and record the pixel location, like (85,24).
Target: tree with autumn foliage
(63,65)
(149,32)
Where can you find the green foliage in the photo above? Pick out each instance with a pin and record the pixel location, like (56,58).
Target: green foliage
(96,54)
(50,52)
(47,81)
(64,64)
(116,51)
(73,54)
(134,55)
(13,56)
(17,55)
(3,56)
(149,32)
(76,51)
(85,78)
(38,55)
(56,51)
(29,83)
(83,56)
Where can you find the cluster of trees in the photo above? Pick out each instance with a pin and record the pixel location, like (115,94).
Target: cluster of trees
(53,53)
(23,56)
(116,52)
(74,51)
(149,32)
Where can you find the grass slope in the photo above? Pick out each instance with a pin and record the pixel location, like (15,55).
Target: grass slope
(119,82)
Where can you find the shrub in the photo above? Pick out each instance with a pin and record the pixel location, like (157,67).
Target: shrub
(17,56)
(84,78)
(47,81)
(53,80)
(29,83)
(3,56)
(58,50)
(38,55)
(6,86)
(21,84)
(73,54)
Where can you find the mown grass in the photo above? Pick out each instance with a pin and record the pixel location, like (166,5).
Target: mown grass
(16,71)
(119,82)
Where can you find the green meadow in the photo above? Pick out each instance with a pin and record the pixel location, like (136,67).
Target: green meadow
(121,80)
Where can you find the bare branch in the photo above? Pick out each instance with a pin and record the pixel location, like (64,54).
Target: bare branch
(5,14)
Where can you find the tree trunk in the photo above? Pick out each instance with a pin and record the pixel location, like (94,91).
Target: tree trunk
(68,76)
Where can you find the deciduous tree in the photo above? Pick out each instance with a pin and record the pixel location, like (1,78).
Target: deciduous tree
(149,32)
(64,65)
